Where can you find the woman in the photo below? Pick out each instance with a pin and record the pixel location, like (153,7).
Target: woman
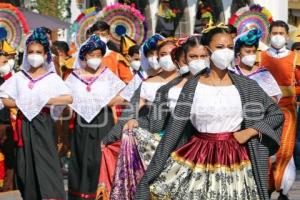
(190,57)
(245,49)
(93,89)
(32,91)
(159,71)
(131,93)
(231,116)
(140,142)
(166,72)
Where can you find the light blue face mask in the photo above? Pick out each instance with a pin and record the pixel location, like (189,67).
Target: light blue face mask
(184,69)
(196,66)
(166,63)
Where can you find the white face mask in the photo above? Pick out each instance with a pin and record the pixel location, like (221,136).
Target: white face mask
(196,66)
(184,69)
(249,60)
(166,63)
(104,39)
(136,65)
(222,58)
(278,41)
(35,60)
(94,63)
(5,69)
(153,62)
(11,63)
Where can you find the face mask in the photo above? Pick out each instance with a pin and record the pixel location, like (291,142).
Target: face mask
(94,63)
(104,39)
(278,41)
(222,58)
(11,63)
(249,60)
(184,70)
(136,64)
(153,62)
(35,60)
(166,63)
(196,66)
(5,69)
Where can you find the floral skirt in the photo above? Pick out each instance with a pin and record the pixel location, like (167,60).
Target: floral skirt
(137,150)
(208,167)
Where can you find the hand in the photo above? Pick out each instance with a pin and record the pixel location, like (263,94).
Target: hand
(102,145)
(60,146)
(243,136)
(130,125)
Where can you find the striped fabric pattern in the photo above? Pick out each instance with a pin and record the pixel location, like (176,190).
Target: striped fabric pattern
(270,127)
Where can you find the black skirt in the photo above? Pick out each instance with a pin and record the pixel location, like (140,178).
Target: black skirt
(38,169)
(84,166)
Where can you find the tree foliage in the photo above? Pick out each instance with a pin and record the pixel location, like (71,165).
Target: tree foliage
(54,8)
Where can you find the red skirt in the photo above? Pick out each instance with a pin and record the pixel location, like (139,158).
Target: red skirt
(109,158)
(209,166)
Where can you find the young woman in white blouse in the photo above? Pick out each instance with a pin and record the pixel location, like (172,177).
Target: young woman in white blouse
(217,142)
(93,88)
(33,90)
(139,144)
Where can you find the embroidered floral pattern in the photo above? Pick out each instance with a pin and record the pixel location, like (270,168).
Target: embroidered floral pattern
(208,167)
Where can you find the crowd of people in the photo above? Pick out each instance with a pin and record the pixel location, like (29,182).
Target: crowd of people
(208,116)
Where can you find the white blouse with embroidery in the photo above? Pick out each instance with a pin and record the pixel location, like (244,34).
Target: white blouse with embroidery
(216,109)
(90,97)
(31,95)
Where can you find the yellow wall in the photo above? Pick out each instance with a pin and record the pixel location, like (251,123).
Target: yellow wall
(294,4)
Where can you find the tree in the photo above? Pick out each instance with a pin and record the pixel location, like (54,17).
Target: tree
(54,8)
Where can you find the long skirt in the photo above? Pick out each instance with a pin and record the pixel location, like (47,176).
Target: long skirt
(210,167)
(137,150)
(38,169)
(109,159)
(86,154)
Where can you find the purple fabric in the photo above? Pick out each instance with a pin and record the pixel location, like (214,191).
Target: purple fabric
(129,171)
